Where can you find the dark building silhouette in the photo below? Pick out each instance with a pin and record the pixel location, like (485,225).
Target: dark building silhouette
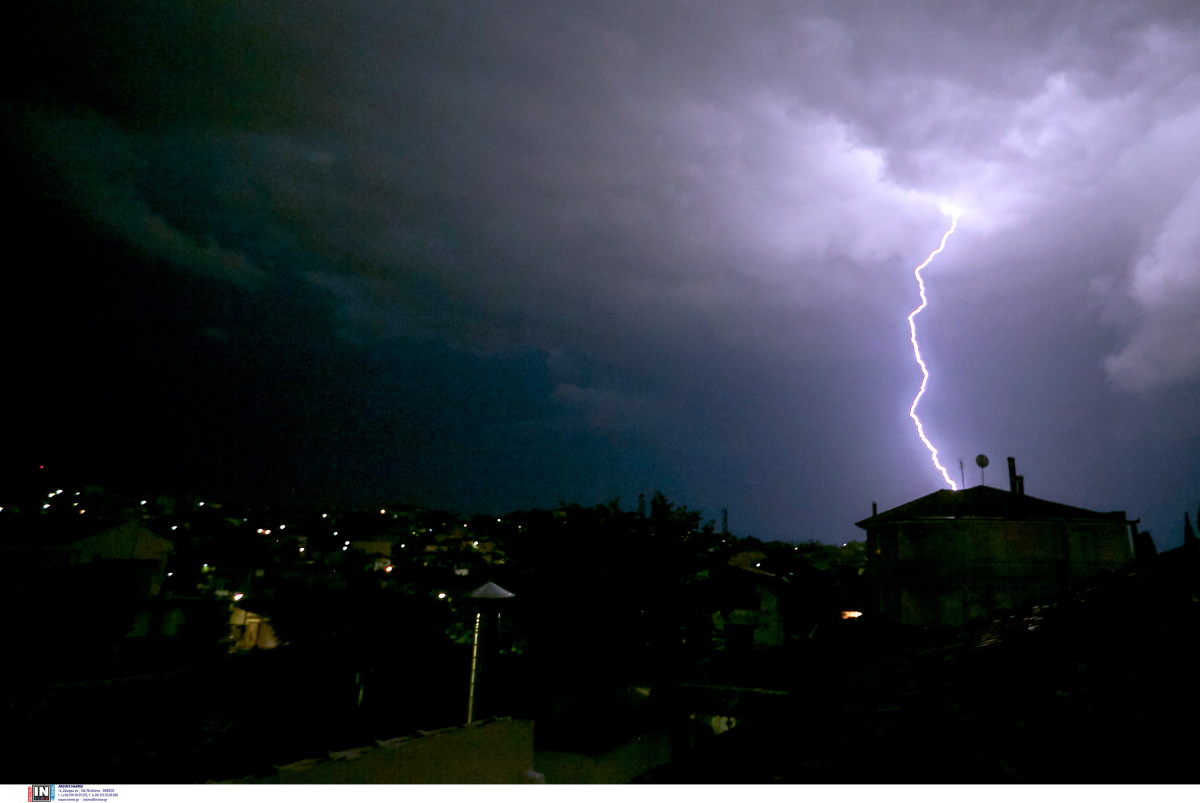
(954,557)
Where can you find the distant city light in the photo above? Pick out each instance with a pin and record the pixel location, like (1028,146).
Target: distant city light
(324,515)
(301,549)
(174,526)
(143,501)
(282,526)
(402,546)
(382,511)
(345,548)
(851,614)
(169,574)
(388,568)
(442,595)
(45,506)
(201,504)
(238,596)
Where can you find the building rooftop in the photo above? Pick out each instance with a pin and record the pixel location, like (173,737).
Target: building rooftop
(983,502)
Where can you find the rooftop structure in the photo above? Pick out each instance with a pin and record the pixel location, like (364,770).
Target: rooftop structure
(953,557)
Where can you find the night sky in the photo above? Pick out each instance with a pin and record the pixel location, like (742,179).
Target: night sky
(487,256)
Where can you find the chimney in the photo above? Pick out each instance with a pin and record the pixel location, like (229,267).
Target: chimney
(874,509)
(1016,484)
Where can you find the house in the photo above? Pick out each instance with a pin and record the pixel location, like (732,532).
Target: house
(749,615)
(105,575)
(954,557)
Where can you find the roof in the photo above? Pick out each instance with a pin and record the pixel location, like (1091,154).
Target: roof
(33,531)
(982,502)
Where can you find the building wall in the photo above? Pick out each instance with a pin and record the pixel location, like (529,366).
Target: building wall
(948,573)
(250,631)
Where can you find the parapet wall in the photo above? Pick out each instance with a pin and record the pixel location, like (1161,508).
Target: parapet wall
(495,751)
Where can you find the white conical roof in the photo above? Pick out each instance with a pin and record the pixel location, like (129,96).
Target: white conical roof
(491,591)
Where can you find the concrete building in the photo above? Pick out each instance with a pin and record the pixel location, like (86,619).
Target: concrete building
(954,557)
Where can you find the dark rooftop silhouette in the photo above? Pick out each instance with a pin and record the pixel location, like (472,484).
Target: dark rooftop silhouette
(983,502)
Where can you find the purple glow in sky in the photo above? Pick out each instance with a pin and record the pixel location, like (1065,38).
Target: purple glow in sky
(488,256)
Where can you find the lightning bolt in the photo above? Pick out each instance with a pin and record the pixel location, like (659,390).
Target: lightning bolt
(912,330)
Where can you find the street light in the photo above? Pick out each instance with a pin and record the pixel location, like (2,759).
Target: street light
(487,591)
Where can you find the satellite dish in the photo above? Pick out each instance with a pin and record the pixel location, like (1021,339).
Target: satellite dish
(981,461)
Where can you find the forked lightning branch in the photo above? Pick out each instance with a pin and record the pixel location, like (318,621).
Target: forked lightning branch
(912,330)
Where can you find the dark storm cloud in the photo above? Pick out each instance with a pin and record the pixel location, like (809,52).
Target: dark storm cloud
(702,217)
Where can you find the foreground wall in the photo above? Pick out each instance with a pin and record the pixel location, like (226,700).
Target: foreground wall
(618,765)
(498,751)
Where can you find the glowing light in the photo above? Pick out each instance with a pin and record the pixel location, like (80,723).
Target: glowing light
(388,568)
(442,595)
(912,330)
(238,596)
(851,614)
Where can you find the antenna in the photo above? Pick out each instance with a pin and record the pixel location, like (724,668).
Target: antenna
(962,472)
(982,462)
